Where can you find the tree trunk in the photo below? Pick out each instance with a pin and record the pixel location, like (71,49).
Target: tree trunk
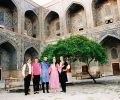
(92,77)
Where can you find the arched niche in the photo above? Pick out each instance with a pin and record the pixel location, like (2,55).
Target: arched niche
(112,45)
(52,24)
(8,55)
(30,53)
(76,18)
(31,25)
(105,12)
(8,15)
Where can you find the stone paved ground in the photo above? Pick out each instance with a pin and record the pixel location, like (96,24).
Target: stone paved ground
(107,89)
(74,92)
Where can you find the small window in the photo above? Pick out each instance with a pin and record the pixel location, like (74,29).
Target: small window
(80,29)
(34,35)
(114,53)
(57,26)
(85,69)
(58,34)
(109,21)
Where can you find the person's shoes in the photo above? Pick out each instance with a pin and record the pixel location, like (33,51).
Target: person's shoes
(37,92)
(47,91)
(34,92)
(63,91)
(27,93)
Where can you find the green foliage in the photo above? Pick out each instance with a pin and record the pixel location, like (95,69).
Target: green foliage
(62,49)
(93,51)
(76,47)
(48,52)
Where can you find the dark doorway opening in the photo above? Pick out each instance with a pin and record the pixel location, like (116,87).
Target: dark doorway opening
(85,69)
(116,69)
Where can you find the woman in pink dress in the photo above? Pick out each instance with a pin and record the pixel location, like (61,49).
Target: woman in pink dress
(54,77)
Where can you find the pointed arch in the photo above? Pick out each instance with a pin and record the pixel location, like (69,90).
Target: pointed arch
(30,53)
(9,15)
(31,25)
(76,17)
(108,35)
(104,12)
(8,55)
(52,24)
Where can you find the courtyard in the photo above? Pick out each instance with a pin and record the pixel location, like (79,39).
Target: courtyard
(108,88)
(26,28)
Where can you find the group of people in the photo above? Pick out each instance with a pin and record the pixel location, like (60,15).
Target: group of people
(50,75)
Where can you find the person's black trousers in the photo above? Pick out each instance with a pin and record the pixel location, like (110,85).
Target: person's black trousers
(27,80)
(47,87)
(63,85)
(36,81)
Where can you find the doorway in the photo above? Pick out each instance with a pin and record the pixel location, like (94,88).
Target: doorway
(85,69)
(116,69)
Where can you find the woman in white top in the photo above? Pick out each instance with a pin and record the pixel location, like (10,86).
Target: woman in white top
(26,72)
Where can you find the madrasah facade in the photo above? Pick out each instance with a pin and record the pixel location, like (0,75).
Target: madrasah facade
(26,28)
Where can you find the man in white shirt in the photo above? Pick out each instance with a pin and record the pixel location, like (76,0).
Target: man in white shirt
(26,72)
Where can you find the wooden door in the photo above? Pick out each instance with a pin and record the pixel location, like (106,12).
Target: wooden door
(116,69)
(85,69)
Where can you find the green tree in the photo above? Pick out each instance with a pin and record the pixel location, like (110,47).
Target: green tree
(92,51)
(78,47)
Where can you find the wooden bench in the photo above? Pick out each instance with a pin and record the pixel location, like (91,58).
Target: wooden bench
(97,74)
(77,75)
(11,82)
(82,75)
